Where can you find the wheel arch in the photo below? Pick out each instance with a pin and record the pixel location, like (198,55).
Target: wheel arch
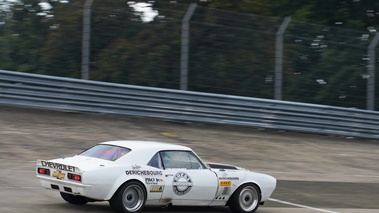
(133,188)
(122,181)
(242,185)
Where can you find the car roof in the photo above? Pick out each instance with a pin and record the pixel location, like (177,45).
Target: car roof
(136,145)
(142,151)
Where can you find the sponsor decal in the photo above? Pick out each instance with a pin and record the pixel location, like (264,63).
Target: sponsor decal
(143,172)
(58,174)
(156,188)
(58,166)
(182,183)
(229,178)
(136,167)
(225,183)
(154,181)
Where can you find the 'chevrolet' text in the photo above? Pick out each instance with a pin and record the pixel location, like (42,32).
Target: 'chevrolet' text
(58,166)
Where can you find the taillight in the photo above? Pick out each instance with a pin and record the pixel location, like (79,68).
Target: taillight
(74,177)
(43,171)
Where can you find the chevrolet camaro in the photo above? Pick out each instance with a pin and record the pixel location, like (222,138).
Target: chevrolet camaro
(133,174)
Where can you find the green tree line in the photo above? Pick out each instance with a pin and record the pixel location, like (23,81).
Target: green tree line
(232,45)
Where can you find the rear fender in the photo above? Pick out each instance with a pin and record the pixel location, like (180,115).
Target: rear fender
(120,181)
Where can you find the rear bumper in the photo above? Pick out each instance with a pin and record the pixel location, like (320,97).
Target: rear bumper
(65,186)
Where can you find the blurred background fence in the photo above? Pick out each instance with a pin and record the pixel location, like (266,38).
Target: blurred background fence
(228,53)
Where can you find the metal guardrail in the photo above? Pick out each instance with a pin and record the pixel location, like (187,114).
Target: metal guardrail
(90,96)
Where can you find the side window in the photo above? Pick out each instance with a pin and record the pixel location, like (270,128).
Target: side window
(155,161)
(180,159)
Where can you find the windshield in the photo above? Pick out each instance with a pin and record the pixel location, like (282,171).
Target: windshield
(106,152)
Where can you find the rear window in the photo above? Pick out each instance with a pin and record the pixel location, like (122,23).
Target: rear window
(106,152)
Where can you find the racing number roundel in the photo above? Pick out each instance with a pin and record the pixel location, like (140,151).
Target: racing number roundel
(182,183)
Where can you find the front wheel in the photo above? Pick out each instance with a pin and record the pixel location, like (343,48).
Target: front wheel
(74,199)
(129,198)
(245,199)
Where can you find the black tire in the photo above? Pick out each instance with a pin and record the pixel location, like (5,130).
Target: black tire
(245,199)
(74,199)
(129,198)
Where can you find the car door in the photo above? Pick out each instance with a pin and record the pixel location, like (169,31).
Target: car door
(187,180)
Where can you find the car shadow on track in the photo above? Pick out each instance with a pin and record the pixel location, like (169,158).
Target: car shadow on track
(103,207)
(187,209)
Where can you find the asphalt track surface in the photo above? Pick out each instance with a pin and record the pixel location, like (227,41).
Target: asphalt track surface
(315,173)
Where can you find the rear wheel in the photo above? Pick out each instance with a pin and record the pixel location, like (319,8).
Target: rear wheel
(130,197)
(245,199)
(74,199)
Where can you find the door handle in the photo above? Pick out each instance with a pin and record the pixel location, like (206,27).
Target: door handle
(169,175)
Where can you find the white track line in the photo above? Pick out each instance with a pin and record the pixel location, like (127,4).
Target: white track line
(301,206)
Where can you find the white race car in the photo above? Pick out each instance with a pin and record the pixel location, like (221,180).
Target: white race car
(134,174)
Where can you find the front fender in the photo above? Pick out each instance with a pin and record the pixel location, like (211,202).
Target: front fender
(266,183)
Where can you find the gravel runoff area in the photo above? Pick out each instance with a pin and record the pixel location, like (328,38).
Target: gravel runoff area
(29,134)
